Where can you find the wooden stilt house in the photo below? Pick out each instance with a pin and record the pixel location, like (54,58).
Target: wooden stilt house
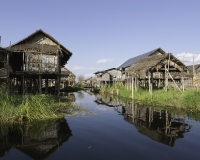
(108,77)
(4,70)
(194,72)
(34,61)
(68,78)
(162,69)
(4,66)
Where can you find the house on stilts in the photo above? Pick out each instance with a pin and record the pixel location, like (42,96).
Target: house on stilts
(33,61)
(159,70)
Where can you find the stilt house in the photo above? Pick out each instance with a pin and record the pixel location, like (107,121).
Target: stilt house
(162,69)
(194,72)
(68,78)
(108,76)
(4,66)
(35,60)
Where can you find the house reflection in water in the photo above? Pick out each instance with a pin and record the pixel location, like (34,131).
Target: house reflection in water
(158,125)
(38,140)
(68,95)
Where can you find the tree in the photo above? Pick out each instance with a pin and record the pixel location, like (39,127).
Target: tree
(80,78)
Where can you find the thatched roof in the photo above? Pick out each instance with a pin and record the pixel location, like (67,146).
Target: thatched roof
(131,61)
(195,67)
(25,46)
(38,48)
(3,50)
(105,70)
(149,63)
(65,71)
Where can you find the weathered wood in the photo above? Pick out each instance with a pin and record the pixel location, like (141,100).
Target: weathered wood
(173,80)
(46,85)
(132,88)
(40,84)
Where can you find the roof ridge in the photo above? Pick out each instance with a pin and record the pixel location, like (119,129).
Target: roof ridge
(132,60)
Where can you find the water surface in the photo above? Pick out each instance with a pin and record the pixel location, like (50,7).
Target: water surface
(114,130)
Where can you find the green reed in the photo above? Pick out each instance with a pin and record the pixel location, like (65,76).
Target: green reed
(188,99)
(15,108)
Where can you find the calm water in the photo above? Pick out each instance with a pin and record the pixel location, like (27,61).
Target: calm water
(115,130)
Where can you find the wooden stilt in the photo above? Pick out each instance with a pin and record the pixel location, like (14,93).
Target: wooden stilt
(132,88)
(40,84)
(46,85)
(58,85)
(23,85)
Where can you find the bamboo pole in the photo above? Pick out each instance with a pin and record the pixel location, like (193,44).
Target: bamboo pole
(193,68)
(135,84)
(132,88)
(159,80)
(165,78)
(40,83)
(174,81)
(149,85)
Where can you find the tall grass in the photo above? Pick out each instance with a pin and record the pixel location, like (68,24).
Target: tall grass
(189,99)
(15,108)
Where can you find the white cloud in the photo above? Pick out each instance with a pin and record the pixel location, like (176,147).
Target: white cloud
(104,60)
(82,68)
(187,58)
(88,75)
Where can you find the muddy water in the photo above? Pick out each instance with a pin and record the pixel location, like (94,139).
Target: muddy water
(114,130)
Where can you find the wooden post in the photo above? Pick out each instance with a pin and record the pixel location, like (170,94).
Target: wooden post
(159,80)
(23,81)
(58,85)
(165,78)
(168,72)
(149,85)
(46,85)
(135,84)
(40,83)
(132,88)
(193,68)
(183,85)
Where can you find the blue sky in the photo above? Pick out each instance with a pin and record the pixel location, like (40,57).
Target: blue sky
(102,34)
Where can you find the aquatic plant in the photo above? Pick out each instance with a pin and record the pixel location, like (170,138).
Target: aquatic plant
(15,108)
(189,99)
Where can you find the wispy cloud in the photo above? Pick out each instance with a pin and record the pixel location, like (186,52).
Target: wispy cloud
(187,58)
(89,75)
(104,60)
(82,68)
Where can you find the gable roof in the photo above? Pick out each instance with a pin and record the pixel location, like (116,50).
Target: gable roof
(151,61)
(131,61)
(45,48)
(190,67)
(105,70)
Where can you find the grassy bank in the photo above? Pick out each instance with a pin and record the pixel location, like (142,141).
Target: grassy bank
(15,108)
(189,99)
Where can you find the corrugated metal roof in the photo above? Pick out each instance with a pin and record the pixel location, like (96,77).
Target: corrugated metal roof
(131,61)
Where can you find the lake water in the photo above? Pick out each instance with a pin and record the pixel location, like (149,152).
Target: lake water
(114,130)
